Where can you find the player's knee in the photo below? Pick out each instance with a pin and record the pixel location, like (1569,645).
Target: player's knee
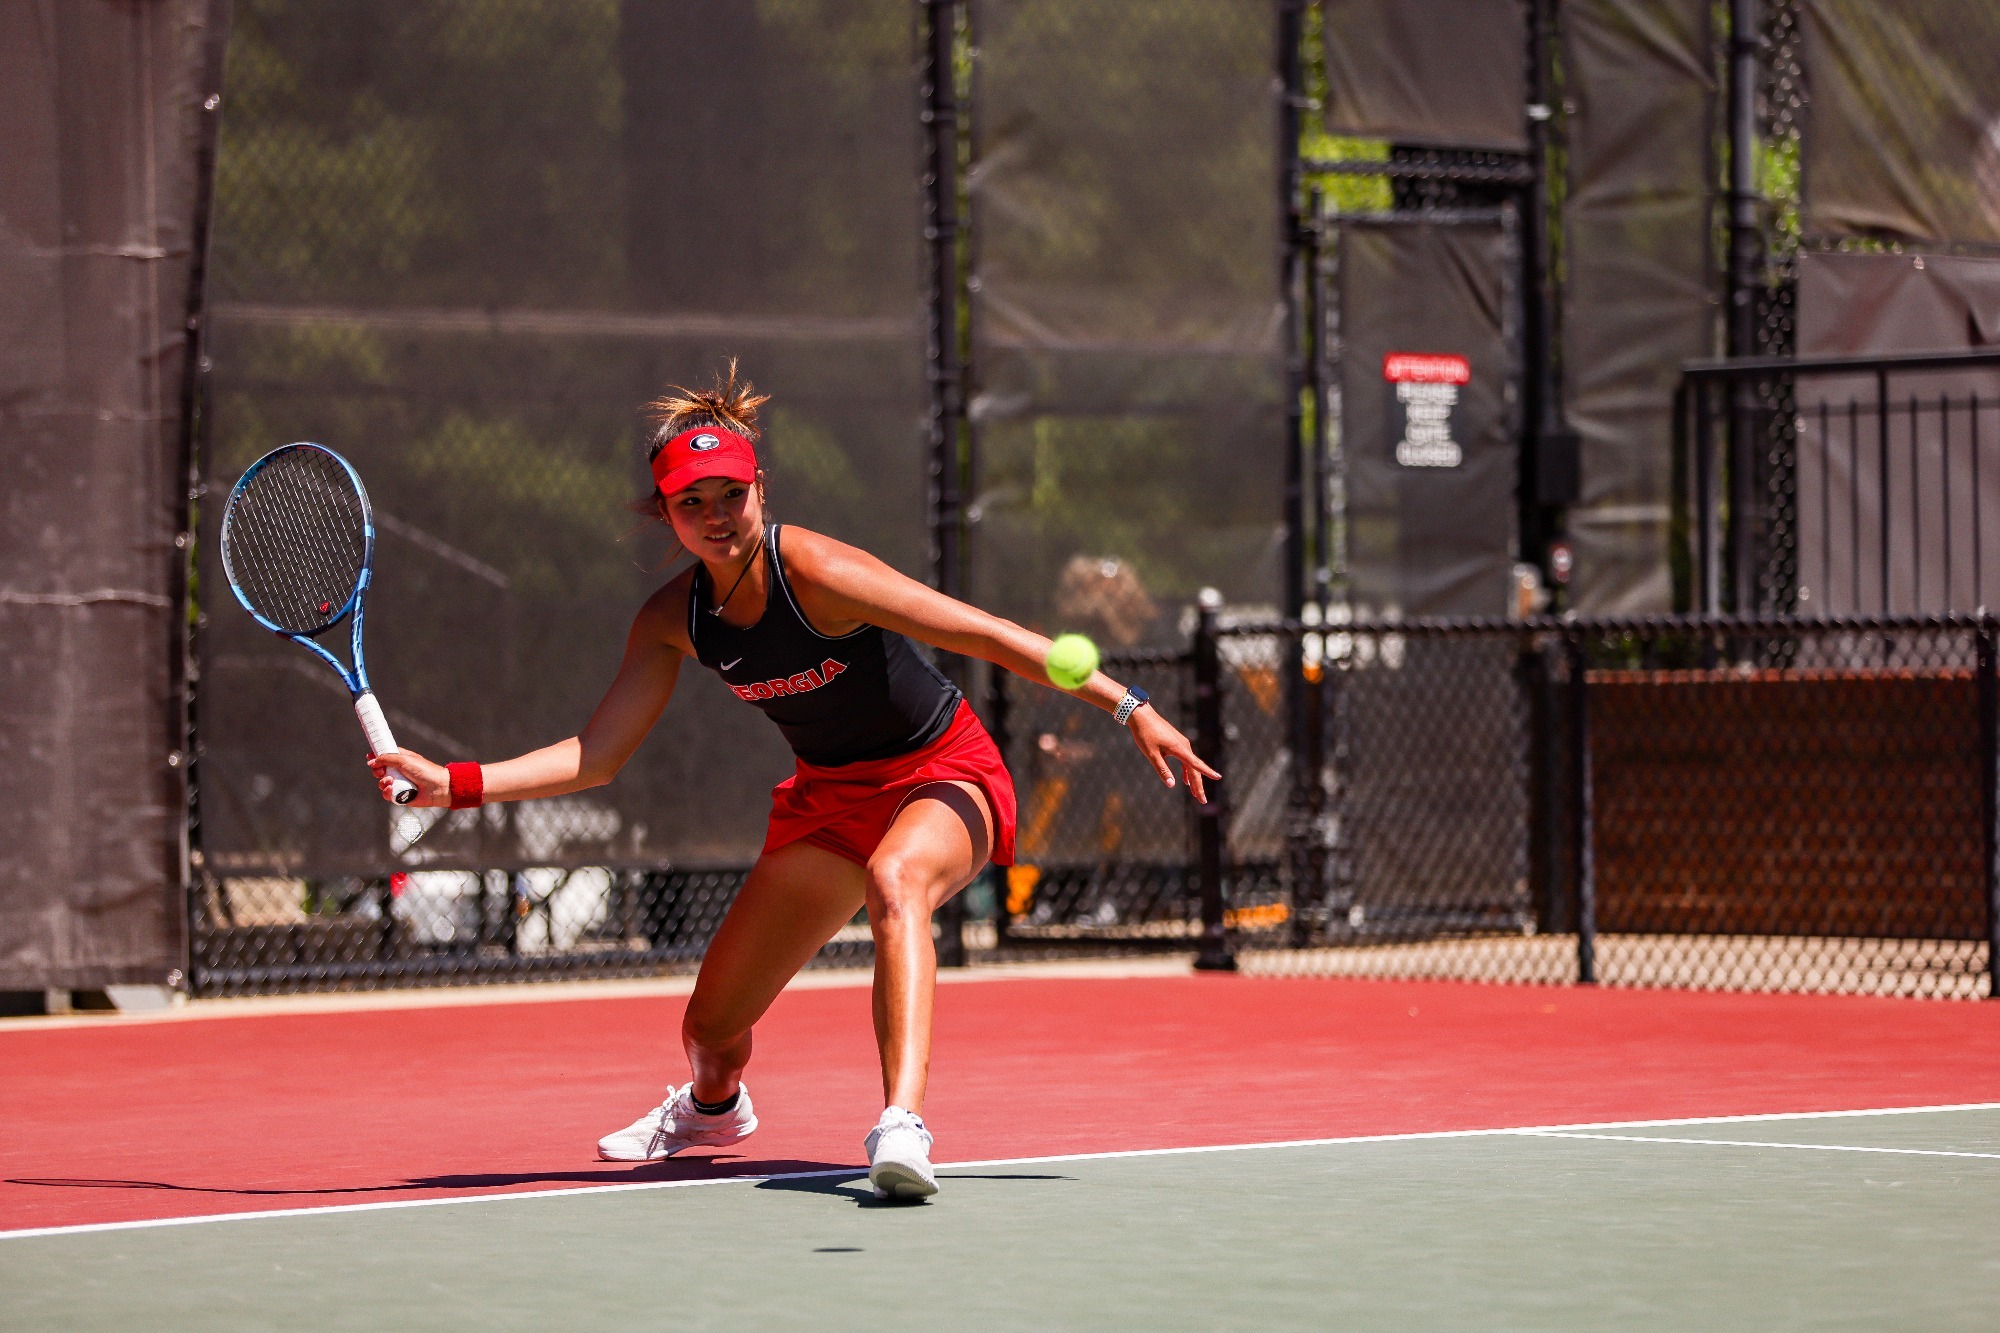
(897,890)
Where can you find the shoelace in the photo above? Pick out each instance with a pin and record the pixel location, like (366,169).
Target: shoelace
(661,1135)
(903,1120)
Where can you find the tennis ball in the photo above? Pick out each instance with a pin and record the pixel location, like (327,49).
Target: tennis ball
(1071,660)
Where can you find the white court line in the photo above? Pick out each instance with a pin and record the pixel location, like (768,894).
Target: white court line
(1755,1143)
(1521,1131)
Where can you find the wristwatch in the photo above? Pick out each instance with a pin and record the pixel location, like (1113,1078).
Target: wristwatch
(1134,696)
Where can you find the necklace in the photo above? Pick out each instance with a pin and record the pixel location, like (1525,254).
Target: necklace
(756,551)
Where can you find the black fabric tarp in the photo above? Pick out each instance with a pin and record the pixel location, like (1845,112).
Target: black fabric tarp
(464,244)
(1637,299)
(100,108)
(1439,73)
(1867,304)
(1430,520)
(1944,539)
(1902,139)
(1126,317)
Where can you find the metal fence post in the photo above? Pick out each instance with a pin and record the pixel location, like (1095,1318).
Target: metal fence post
(189,647)
(1298,278)
(942,227)
(1305,876)
(1211,817)
(1306,884)
(1882,480)
(1536,680)
(1583,870)
(1989,796)
(1708,544)
(1746,258)
(1741,531)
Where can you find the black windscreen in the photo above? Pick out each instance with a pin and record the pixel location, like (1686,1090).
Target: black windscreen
(464,244)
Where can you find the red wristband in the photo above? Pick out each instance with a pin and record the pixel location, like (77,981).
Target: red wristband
(468,785)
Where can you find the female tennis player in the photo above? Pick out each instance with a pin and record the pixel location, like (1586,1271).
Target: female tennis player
(898,799)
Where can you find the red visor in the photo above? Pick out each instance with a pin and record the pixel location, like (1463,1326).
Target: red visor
(706,451)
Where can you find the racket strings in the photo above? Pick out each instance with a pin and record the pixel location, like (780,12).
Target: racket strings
(294,540)
(315,531)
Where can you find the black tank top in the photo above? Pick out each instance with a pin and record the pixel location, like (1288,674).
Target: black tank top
(864,695)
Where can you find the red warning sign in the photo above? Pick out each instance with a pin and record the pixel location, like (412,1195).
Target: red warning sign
(1424,394)
(1426,368)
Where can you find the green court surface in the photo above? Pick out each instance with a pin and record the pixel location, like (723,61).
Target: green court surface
(1866,1220)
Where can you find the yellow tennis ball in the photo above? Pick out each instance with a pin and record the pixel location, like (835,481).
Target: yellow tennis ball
(1071,661)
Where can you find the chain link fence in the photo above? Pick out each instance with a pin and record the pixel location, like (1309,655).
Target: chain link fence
(1104,853)
(441,246)
(260,935)
(1781,108)
(1793,807)
(1709,803)
(1424,840)
(1712,803)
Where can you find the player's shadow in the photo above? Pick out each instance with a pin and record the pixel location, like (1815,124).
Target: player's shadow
(688,1169)
(855,1187)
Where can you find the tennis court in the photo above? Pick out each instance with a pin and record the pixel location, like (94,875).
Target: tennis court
(1153,1150)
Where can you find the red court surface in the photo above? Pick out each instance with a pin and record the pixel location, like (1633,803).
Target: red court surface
(145,1120)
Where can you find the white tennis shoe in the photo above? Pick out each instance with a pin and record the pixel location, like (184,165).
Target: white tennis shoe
(899,1156)
(674,1124)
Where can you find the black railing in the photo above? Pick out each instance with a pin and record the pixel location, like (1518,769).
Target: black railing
(1839,485)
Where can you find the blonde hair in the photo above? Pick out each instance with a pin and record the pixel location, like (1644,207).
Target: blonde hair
(729,405)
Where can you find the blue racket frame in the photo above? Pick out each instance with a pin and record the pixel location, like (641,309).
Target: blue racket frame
(367,708)
(356,680)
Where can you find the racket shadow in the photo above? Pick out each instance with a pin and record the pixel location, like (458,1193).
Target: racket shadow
(695,1168)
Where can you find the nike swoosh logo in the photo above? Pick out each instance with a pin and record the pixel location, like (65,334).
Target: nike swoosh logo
(726,665)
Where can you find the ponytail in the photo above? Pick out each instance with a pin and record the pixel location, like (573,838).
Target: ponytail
(731,404)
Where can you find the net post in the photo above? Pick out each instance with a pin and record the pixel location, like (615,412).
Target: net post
(1989,794)
(1583,868)
(1211,816)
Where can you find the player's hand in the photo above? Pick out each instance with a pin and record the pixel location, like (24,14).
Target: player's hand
(1159,740)
(432,781)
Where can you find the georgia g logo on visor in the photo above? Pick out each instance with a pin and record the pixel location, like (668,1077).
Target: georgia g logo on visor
(701,444)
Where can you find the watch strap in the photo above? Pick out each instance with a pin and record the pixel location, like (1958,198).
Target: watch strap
(1130,705)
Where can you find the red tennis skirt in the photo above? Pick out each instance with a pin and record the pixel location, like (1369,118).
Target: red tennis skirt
(848,810)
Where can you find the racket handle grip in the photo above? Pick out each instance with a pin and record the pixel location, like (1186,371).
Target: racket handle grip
(380,741)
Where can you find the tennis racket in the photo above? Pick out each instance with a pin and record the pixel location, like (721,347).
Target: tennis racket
(298,545)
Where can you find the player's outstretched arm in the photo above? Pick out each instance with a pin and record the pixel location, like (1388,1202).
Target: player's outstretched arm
(841,587)
(644,684)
